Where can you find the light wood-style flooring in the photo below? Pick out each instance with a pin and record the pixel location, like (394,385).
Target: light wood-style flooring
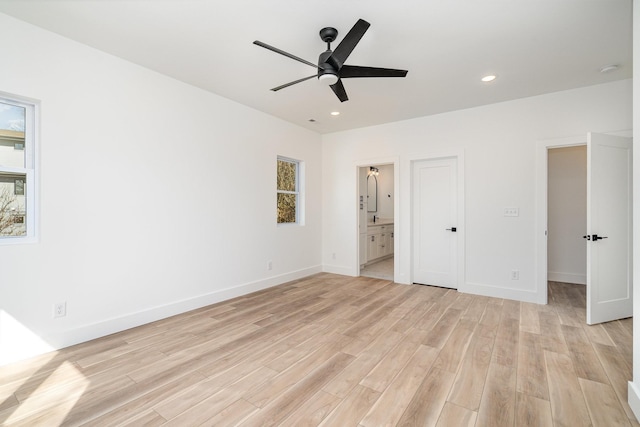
(340,351)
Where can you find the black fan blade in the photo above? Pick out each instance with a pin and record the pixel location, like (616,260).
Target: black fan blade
(338,89)
(346,46)
(351,71)
(287,54)
(292,83)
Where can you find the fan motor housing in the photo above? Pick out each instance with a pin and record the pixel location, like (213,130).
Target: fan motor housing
(325,67)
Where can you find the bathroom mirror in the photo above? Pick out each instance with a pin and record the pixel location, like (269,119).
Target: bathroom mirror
(372,193)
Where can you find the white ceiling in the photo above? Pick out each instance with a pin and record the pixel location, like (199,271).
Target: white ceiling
(534,46)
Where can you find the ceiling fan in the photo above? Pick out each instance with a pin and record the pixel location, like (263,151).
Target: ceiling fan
(331,68)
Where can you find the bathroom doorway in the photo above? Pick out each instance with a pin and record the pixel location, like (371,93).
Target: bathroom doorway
(376,221)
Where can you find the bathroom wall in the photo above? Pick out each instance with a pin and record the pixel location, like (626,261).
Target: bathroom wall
(385,192)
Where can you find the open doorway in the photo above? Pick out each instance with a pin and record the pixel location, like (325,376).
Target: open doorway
(376,221)
(609,285)
(567,224)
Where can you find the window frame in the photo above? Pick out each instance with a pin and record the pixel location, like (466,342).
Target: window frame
(29,170)
(297,192)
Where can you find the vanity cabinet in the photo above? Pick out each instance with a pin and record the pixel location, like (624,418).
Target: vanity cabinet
(379,241)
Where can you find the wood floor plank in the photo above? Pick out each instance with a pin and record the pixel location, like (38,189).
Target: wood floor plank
(532,411)
(455,347)
(346,380)
(336,350)
(439,334)
(598,334)
(505,349)
(603,404)
(567,404)
(261,396)
(145,402)
(353,407)
(453,415)
(529,319)
(146,419)
(429,399)
(279,408)
(379,377)
(497,407)
(532,372)
(476,308)
(618,371)
(389,407)
(470,379)
(232,415)
(313,411)
(622,339)
(76,395)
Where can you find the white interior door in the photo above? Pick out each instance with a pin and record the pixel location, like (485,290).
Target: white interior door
(434,222)
(609,204)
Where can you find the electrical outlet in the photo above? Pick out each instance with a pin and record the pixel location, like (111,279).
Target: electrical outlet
(60,309)
(515,275)
(269,265)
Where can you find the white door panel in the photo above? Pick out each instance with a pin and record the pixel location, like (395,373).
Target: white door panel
(609,204)
(434,217)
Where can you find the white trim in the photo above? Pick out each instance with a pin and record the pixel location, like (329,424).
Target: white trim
(501,292)
(132,320)
(340,269)
(576,279)
(634,398)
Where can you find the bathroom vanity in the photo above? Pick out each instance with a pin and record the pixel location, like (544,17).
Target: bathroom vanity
(379,240)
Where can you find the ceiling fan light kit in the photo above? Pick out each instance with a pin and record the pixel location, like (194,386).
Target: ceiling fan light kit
(331,69)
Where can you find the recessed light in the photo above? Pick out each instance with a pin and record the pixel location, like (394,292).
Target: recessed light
(488,78)
(312,120)
(335,113)
(608,68)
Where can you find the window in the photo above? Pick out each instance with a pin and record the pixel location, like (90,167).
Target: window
(288,191)
(17,182)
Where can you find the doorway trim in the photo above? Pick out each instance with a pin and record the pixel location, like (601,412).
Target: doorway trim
(541,221)
(395,161)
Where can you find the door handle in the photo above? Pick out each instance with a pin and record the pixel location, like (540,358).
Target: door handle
(587,237)
(452,229)
(595,237)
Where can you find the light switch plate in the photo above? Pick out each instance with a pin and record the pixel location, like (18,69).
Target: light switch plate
(511,212)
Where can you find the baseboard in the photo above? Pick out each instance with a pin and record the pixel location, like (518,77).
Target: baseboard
(378,260)
(339,269)
(117,324)
(579,279)
(506,293)
(634,399)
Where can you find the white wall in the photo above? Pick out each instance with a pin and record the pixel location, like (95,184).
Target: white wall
(155,197)
(567,214)
(498,144)
(634,386)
